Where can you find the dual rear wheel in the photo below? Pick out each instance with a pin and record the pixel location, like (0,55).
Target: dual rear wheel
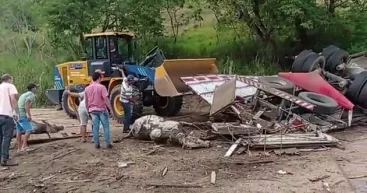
(330,60)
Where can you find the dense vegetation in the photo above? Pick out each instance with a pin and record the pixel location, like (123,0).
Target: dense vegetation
(246,36)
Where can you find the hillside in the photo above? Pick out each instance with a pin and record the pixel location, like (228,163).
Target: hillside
(245,37)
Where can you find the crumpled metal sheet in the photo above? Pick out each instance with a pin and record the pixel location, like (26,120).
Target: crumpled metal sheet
(205,85)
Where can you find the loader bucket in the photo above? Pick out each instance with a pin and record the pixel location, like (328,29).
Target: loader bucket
(167,81)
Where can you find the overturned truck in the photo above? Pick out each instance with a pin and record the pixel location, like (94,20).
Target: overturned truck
(323,92)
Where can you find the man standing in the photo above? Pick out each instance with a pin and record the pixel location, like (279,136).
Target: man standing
(8,105)
(82,113)
(96,101)
(24,125)
(127,99)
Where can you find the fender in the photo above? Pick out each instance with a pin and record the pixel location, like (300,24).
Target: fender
(113,83)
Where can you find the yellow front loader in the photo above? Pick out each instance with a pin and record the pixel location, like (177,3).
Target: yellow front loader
(157,82)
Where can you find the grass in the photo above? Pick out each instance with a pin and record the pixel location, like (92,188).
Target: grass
(196,41)
(25,70)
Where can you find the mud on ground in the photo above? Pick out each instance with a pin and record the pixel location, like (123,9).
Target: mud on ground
(73,166)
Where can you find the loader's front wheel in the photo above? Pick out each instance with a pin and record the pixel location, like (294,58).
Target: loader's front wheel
(118,110)
(70,105)
(168,106)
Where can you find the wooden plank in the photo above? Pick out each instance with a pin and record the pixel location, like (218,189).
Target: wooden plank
(293,141)
(234,129)
(37,141)
(233,148)
(213,177)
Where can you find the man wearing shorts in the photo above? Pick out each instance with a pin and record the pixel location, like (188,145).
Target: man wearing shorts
(82,112)
(24,125)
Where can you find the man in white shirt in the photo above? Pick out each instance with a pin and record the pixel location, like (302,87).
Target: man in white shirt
(8,105)
(82,114)
(126,98)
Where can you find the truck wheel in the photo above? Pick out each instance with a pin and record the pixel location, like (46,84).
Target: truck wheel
(278,83)
(313,62)
(300,59)
(328,51)
(338,57)
(68,102)
(168,106)
(355,88)
(361,100)
(117,108)
(323,104)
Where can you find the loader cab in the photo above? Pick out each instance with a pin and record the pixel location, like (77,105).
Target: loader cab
(106,51)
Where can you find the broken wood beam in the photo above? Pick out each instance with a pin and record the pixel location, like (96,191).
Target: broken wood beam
(233,148)
(319,178)
(174,185)
(234,129)
(71,181)
(64,154)
(249,162)
(213,177)
(38,141)
(292,140)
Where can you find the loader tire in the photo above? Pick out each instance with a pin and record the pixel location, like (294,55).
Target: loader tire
(338,57)
(355,88)
(117,108)
(328,51)
(324,105)
(137,110)
(361,100)
(300,59)
(67,101)
(168,106)
(313,62)
(278,83)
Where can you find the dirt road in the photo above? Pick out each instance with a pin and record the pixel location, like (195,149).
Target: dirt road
(71,166)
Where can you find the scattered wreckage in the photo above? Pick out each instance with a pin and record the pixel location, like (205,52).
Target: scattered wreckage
(322,93)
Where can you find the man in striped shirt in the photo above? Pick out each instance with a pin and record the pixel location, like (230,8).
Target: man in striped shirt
(127,99)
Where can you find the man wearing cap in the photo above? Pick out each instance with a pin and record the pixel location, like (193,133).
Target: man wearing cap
(126,98)
(23,125)
(8,105)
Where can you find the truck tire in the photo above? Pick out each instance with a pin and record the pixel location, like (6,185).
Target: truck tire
(168,106)
(118,110)
(338,57)
(313,62)
(278,83)
(361,100)
(67,101)
(328,51)
(323,104)
(355,88)
(300,59)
